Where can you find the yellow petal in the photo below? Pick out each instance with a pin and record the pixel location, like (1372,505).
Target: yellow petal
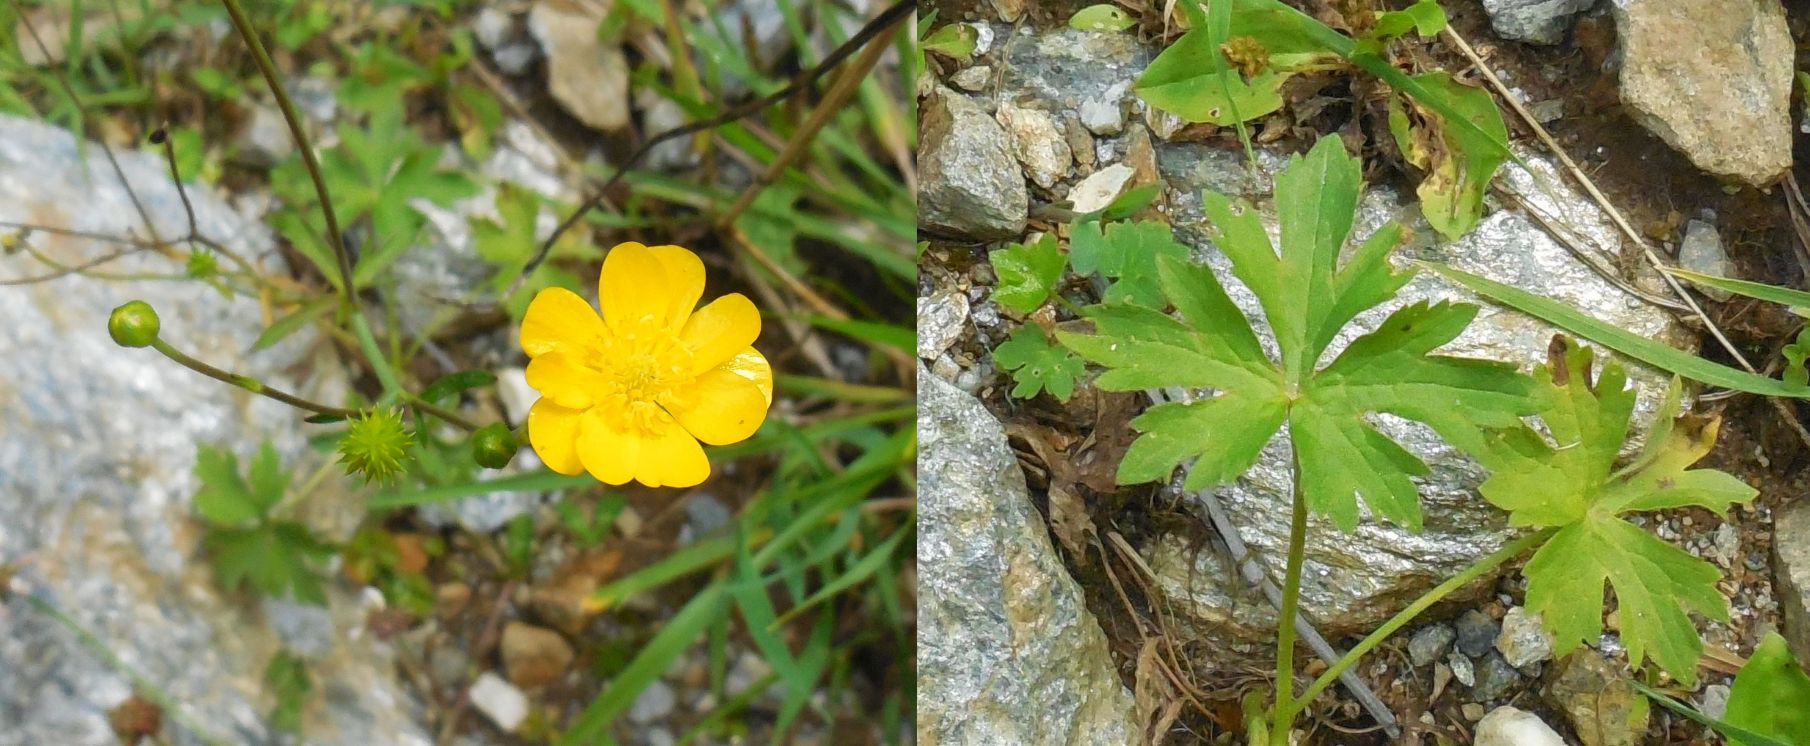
(720,407)
(558,317)
(553,432)
(752,365)
(558,376)
(657,285)
(608,454)
(671,458)
(720,330)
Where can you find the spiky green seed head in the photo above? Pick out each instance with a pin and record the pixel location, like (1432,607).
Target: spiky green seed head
(134,324)
(375,445)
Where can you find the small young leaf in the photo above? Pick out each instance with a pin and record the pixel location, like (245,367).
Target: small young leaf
(1130,201)
(287,678)
(1101,18)
(292,323)
(1571,482)
(1027,274)
(224,499)
(454,383)
(1424,17)
(955,41)
(268,480)
(1127,253)
(1795,355)
(1771,695)
(1037,365)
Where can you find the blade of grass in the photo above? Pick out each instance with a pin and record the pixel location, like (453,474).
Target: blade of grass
(1656,354)
(1756,290)
(675,637)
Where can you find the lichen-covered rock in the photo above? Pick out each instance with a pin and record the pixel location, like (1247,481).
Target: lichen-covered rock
(1533,21)
(1594,694)
(97,454)
(1713,79)
(971,185)
(1007,651)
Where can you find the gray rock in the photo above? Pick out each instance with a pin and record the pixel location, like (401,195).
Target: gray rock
(263,140)
(1534,21)
(1701,251)
(1036,142)
(1594,694)
(97,451)
(1007,651)
(1100,188)
(1067,67)
(505,37)
(1713,702)
(971,185)
(1713,79)
(1105,114)
(1495,678)
(588,77)
(654,702)
(1476,633)
(1462,669)
(704,514)
(499,700)
(1791,578)
(941,319)
(1508,726)
(1352,582)
(1524,640)
(1430,643)
(972,79)
(1725,546)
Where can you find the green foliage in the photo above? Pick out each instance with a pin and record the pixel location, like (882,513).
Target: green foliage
(1028,274)
(1457,162)
(1795,355)
(1650,351)
(1104,17)
(1128,253)
(955,41)
(1037,365)
(590,524)
(1570,482)
(249,547)
(1230,66)
(1308,297)
(1770,696)
(286,678)
(372,174)
(509,241)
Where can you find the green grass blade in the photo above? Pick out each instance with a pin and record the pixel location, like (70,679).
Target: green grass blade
(857,572)
(675,637)
(1755,290)
(1656,354)
(1732,732)
(540,481)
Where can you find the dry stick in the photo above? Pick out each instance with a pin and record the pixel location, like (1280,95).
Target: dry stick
(838,93)
(1619,220)
(69,90)
(1797,208)
(64,271)
(1569,239)
(878,26)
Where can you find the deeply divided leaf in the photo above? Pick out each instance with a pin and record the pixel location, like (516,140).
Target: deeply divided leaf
(1126,253)
(1027,274)
(1569,480)
(1037,365)
(1307,295)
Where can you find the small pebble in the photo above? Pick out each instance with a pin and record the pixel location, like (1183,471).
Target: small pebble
(1476,633)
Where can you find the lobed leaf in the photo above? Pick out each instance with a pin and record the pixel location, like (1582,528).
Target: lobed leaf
(1571,482)
(1128,254)
(1028,274)
(1037,365)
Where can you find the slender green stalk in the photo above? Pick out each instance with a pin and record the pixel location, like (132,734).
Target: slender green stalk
(380,365)
(143,686)
(334,237)
(1285,624)
(246,382)
(1401,619)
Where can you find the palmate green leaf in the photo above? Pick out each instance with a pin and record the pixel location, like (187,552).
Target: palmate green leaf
(1126,253)
(274,559)
(1027,273)
(1571,482)
(1037,365)
(1307,296)
(225,498)
(1193,80)
(1770,696)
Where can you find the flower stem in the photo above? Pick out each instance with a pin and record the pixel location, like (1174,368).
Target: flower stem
(1285,624)
(1401,619)
(380,365)
(246,382)
(334,237)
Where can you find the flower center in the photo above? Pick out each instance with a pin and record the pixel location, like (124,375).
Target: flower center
(641,367)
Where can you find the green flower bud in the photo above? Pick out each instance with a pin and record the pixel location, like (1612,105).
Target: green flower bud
(375,444)
(203,264)
(134,324)
(493,446)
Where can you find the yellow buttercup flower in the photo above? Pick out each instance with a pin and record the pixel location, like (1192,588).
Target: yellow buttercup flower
(628,396)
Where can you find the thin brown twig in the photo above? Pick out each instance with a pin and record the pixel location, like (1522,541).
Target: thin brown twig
(1621,222)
